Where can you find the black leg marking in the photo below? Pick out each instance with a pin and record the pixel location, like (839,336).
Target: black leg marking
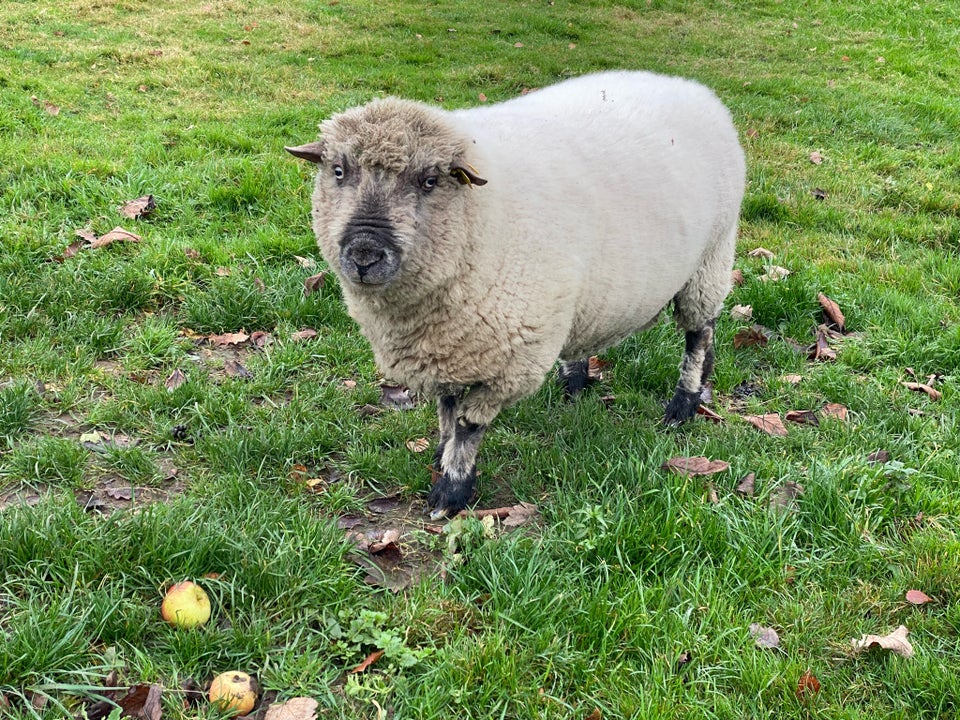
(695,369)
(454,489)
(574,376)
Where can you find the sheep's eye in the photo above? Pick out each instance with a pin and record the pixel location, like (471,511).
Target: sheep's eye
(428,183)
(338,172)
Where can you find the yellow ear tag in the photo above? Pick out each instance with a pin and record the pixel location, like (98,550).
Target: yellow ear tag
(461,175)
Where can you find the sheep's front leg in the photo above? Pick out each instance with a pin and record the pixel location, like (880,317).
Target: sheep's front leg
(695,370)
(447,415)
(574,376)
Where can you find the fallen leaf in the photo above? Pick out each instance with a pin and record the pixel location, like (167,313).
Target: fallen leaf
(260,286)
(932,393)
(792,379)
(175,380)
(305,262)
(368,661)
(834,410)
(747,485)
(769,423)
(807,686)
(741,312)
(819,193)
(120,493)
(510,515)
(816,158)
(917,597)
(803,417)
(518,44)
(302,335)
(482,98)
(896,642)
(694,466)
(349,384)
(235,369)
(595,715)
(736,277)
(748,337)
(385,504)
(418,445)
(227,339)
(821,349)
(118,234)
(832,312)
(68,252)
(705,412)
(261,339)
(775,273)
(222,272)
(141,702)
(49,107)
(784,494)
(136,209)
(88,236)
(595,367)
(712,496)
(388,538)
(878,457)
(298,708)
(313,284)
(761,252)
(396,396)
(764,637)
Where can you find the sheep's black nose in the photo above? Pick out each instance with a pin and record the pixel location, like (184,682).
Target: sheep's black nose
(366,259)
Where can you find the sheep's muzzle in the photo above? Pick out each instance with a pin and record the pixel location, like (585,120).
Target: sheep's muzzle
(368,253)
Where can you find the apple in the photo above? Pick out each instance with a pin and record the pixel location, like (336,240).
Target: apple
(234,692)
(185,605)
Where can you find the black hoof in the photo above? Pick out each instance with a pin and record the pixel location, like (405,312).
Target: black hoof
(448,497)
(682,407)
(574,377)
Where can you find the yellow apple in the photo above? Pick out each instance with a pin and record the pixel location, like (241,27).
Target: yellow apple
(234,692)
(185,605)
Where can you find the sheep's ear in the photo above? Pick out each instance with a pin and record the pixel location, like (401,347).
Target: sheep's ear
(311,151)
(466,174)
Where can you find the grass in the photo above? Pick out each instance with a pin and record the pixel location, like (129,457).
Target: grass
(629,567)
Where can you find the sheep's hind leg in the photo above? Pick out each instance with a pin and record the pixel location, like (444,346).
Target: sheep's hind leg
(574,376)
(457,457)
(695,370)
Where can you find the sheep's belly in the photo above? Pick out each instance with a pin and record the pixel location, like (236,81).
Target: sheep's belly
(589,338)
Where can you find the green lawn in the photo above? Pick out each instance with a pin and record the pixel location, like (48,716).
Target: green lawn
(136,451)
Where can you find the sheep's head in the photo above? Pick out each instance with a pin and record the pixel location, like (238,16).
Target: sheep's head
(390,193)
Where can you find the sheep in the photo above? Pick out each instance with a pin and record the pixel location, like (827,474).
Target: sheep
(477,247)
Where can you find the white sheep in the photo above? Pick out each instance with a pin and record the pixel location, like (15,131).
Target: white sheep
(604,199)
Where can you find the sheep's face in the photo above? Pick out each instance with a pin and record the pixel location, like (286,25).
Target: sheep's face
(390,196)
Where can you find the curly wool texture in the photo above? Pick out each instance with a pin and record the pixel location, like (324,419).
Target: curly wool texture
(609,196)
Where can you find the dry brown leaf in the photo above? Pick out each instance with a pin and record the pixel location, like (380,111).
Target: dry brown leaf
(136,209)
(932,393)
(595,715)
(693,466)
(878,457)
(313,284)
(118,234)
(261,339)
(803,417)
(807,686)
(235,369)
(834,410)
(48,107)
(784,494)
(816,158)
(896,642)
(821,349)
(792,379)
(761,252)
(142,702)
(305,334)
(305,262)
(68,252)
(741,312)
(917,597)
(388,538)
(764,637)
(748,337)
(832,312)
(298,708)
(705,412)
(819,193)
(418,445)
(595,367)
(222,271)
(510,515)
(736,277)
(88,236)
(769,423)
(712,496)
(227,339)
(368,661)
(775,273)
(747,485)
(192,254)
(396,396)
(175,380)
